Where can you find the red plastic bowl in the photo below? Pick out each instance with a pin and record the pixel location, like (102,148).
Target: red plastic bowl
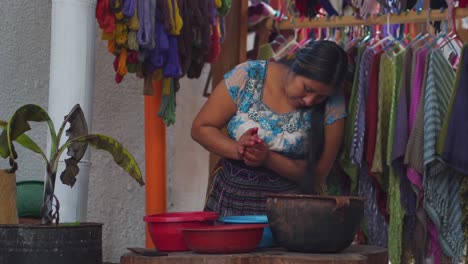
(224,239)
(166,229)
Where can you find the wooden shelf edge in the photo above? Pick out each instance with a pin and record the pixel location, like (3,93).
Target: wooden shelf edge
(343,21)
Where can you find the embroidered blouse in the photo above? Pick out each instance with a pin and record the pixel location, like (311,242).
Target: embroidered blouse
(285,133)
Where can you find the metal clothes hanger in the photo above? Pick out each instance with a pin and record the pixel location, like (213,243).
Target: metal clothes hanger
(286,48)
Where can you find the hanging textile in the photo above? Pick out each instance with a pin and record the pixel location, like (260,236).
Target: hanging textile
(398,148)
(456,127)
(441,184)
(174,38)
(376,225)
(415,151)
(456,134)
(393,149)
(357,148)
(345,160)
(371,132)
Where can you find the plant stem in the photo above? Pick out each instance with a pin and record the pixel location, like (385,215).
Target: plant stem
(46,210)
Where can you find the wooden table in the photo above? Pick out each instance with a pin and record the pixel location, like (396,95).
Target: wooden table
(355,254)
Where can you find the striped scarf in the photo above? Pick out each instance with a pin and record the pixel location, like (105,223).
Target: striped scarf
(441,184)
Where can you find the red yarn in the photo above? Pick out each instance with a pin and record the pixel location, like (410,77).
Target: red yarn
(116,63)
(104,16)
(132,57)
(215,45)
(101,7)
(463,3)
(118,78)
(317,6)
(110,23)
(301,6)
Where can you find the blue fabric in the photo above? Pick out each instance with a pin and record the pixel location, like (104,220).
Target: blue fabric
(357,149)
(455,155)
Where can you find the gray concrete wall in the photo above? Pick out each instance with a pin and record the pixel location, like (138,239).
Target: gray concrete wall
(118,111)
(114,198)
(24,69)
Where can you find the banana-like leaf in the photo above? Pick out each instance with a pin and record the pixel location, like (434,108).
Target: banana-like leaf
(68,176)
(78,128)
(120,154)
(23,140)
(76,150)
(19,121)
(4,153)
(18,125)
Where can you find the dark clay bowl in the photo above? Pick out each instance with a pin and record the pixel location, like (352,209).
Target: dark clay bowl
(314,224)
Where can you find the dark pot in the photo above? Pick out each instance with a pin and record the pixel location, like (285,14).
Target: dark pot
(62,244)
(314,224)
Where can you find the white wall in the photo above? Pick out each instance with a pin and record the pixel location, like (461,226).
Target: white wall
(114,198)
(24,69)
(188,164)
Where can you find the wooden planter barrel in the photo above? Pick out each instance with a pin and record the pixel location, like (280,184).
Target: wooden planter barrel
(8,208)
(62,244)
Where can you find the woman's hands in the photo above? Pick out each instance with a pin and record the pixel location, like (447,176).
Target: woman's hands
(252,149)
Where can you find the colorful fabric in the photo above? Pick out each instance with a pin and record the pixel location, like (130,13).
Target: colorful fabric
(457,129)
(376,225)
(464,205)
(285,133)
(371,132)
(454,155)
(386,79)
(416,147)
(357,149)
(408,196)
(239,190)
(414,154)
(391,89)
(345,160)
(372,105)
(441,184)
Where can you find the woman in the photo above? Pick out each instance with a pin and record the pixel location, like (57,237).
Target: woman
(285,123)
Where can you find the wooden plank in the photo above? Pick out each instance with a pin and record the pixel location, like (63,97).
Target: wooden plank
(233,50)
(343,21)
(242,27)
(355,254)
(262,34)
(463,33)
(246,259)
(373,254)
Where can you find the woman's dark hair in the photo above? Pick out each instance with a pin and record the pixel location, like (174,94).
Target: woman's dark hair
(323,61)
(326,62)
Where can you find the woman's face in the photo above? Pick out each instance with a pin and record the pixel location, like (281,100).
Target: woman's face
(303,92)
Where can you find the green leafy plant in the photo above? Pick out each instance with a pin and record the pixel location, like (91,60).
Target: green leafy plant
(76,145)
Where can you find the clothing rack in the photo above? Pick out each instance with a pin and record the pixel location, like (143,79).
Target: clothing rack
(343,21)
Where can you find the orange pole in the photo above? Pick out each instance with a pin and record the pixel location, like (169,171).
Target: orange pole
(155,157)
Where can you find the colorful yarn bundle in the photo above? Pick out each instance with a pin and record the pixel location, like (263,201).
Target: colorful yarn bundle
(162,40)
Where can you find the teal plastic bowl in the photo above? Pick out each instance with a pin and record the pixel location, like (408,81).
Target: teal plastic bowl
(267,237)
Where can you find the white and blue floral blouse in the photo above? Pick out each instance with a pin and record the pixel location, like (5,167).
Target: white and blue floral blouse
(285,133)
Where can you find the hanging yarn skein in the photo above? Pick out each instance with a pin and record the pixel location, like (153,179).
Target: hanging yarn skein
(165,39)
